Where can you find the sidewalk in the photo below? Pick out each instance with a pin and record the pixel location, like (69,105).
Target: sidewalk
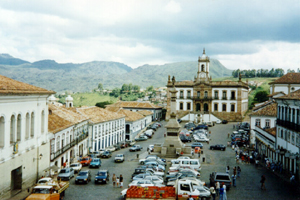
(21,195)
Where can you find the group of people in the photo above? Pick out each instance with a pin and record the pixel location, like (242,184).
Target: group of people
(218,190)
(117,180)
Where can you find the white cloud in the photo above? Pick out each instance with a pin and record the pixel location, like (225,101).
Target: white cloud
(173,7)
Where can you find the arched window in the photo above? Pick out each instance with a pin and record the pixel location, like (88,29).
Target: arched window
(19,128)
(12,129)
(58,143)
(202,68)
(2,131)
(43,122)
(32,125)
(27,128)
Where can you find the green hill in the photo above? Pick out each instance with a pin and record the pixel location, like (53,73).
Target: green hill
(84,77)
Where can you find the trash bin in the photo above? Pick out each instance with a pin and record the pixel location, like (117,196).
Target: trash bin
(203,159)
(137,156)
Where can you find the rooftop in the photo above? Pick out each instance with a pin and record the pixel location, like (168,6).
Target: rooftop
(133,104)
(292,95)
(266,110)
(272,131)
(289,78)
(11,86)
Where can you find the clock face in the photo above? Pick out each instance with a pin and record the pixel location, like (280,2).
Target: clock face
(202,75)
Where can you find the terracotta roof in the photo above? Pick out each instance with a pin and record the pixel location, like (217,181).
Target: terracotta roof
(133,104)
(10,86)
(98,115)
(212,83)
(145,112)
(130,116)
(113,109)
(272,131)
(267,110)
(261,105)
(292,95)
(275,93)
(288,78)
(57,123)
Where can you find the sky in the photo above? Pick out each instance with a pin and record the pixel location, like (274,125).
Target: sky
(240,34)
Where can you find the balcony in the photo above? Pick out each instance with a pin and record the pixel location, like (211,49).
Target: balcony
(202,98)
(232,98)
(289,125)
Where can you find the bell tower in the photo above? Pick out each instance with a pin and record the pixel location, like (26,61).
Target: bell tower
(203,68)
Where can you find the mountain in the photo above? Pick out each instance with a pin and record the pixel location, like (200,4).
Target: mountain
(86,76)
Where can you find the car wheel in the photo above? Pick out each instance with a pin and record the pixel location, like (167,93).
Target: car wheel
(142,162)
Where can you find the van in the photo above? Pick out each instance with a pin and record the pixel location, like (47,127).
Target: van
(190,163)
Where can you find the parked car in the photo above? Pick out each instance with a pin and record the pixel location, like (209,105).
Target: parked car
(155,179)
(102,176)
(85,161)
(197,144)
(150,147)
(209,124)
(106,154)
(201,138)
(96,162)
(141,176)
(117,147)
(83,177)
(224,121)
(189,125)
(45,180)
(130,142)
(205,127)
(184,138)
(141,138)
(124,145)
(111,148)
(218,147)
(135,148)
(120,158)
(145,183)
(76,166)
(221,178)
(95,154)
(66,174)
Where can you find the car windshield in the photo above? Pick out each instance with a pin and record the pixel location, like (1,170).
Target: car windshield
(101,174)
(83,159)
(120,155)
(95,160)
(74,165)
(64,171)
(82,174)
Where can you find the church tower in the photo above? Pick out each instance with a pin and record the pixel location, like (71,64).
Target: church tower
(203,68)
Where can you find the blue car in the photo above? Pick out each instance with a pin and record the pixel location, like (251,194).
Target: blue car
(102,176)
(96,162)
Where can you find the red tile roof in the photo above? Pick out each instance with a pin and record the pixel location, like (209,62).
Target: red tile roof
(275,93)
(292,95)
(133,104)
(272,131)
(266,110)
(289,78)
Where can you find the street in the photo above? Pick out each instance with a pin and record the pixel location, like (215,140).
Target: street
(248,186)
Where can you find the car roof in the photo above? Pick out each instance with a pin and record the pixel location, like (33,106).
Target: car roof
(85,171)
(103,170)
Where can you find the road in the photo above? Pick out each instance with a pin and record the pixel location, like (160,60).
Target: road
(248,186)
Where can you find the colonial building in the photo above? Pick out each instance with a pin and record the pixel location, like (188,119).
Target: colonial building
(107,128)
(134,121)
(138,106)
(223,99)
(288,83)
(70,134)
(263,128)
(288,131)
(24,142)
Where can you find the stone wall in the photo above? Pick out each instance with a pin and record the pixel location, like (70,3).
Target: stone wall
(229,116)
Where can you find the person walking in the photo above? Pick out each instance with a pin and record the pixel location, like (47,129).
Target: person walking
(224,194)
(213,192)
(221,192)
(118,181)
(234,171)
(234,180)
(237,158)
(114,179)
(227,169)
(121,181)
(217,188)
(239,172)
(262,181)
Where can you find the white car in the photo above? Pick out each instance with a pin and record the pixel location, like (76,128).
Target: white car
(196,183)
(119,158)
(201,139)
(44,180)
(76,166)
(155,179)
(144,183)
(111,148)
(218,121)
(157,173)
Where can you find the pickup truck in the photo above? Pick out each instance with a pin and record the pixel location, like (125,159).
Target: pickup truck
(52,190)
(135,148)
(221,178)
(182,190)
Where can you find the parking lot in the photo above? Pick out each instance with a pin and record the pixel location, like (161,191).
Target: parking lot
(248,186)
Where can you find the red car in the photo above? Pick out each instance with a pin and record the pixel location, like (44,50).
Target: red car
(85,161)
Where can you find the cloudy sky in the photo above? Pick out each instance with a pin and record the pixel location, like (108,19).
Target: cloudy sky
(241,34)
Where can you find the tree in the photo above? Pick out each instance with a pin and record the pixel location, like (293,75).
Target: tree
(150,88)
(261,96)
(136,88)
(103,104)
(125,88)
(100,86)
(115,92)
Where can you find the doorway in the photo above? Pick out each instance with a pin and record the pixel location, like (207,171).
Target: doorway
(205,107)
(198,108)
(16,180)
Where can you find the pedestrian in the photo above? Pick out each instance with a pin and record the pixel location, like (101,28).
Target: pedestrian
(262,181)
(114,179)
(292,179)
(224,195)
(239,171)
(213,192)
(121,181)
(248,159)
(227,169)
(234,171)
(65,164)
(237,158)
(233,126)
(221,192)
(228,134)
(234,180)
(118,181)
(217,188)
(192,152)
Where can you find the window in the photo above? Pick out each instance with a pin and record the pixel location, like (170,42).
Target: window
(32,125)
(224,107)
(216,95)
(181,94)
(1,131)
(297,140)
(188,105)
(202,68)
(43,122)
(58,143)
(257,122)
(281,134)
(293,138)
(181,106)
(293,115)
(189,94)
(232,108)
(267,123)
(205,94)
(198,94)
(19,128)
(12,129)
(224,95)
(288,136)
(216,107)
(232,95)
